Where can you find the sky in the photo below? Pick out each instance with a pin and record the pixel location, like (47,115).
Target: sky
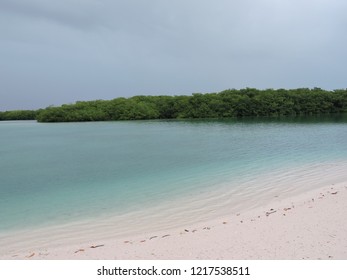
(58,52)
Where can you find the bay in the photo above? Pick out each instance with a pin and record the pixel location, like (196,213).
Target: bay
(160,172)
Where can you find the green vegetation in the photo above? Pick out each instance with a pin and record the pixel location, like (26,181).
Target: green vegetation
(226,104)
(19,115)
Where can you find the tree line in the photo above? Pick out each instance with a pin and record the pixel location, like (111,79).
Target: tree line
(19,115)
(226,104)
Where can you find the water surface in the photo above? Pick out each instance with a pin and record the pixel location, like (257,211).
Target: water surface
(55,174)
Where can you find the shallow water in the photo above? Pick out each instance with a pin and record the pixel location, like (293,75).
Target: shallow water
(144,173)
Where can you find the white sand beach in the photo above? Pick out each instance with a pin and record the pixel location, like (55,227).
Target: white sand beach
(311,225)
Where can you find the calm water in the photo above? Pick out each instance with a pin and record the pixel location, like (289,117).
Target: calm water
(59,173)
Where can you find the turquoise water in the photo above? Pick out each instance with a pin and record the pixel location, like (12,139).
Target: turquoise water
(60,173)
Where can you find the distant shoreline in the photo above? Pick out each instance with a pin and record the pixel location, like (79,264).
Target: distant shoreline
(230,103)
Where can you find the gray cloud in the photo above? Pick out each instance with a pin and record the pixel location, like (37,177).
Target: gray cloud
(70,13)
(55,52)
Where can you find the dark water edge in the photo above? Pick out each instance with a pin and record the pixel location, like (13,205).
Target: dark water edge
(323,118)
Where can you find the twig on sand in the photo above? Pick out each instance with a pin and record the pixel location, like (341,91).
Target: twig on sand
(97,246)
(166,235)
(79,250)
(270,212)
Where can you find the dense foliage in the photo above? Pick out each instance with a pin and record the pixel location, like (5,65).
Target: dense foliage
(19,115)
(226,104)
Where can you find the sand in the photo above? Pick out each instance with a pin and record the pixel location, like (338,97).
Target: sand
(311,225)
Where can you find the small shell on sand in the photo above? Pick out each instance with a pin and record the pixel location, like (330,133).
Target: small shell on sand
(30,256)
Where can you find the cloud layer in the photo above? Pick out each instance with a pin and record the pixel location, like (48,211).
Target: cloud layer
(55,52)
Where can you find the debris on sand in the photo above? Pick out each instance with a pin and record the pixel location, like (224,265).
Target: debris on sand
(79,250)
(270,212)
(97,246)
(33,254)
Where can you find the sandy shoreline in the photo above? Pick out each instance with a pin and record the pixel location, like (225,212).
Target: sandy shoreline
(307,226)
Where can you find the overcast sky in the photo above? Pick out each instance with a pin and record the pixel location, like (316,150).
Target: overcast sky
(61,51)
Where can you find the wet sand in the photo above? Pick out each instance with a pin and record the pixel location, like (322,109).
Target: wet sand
(311,225)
